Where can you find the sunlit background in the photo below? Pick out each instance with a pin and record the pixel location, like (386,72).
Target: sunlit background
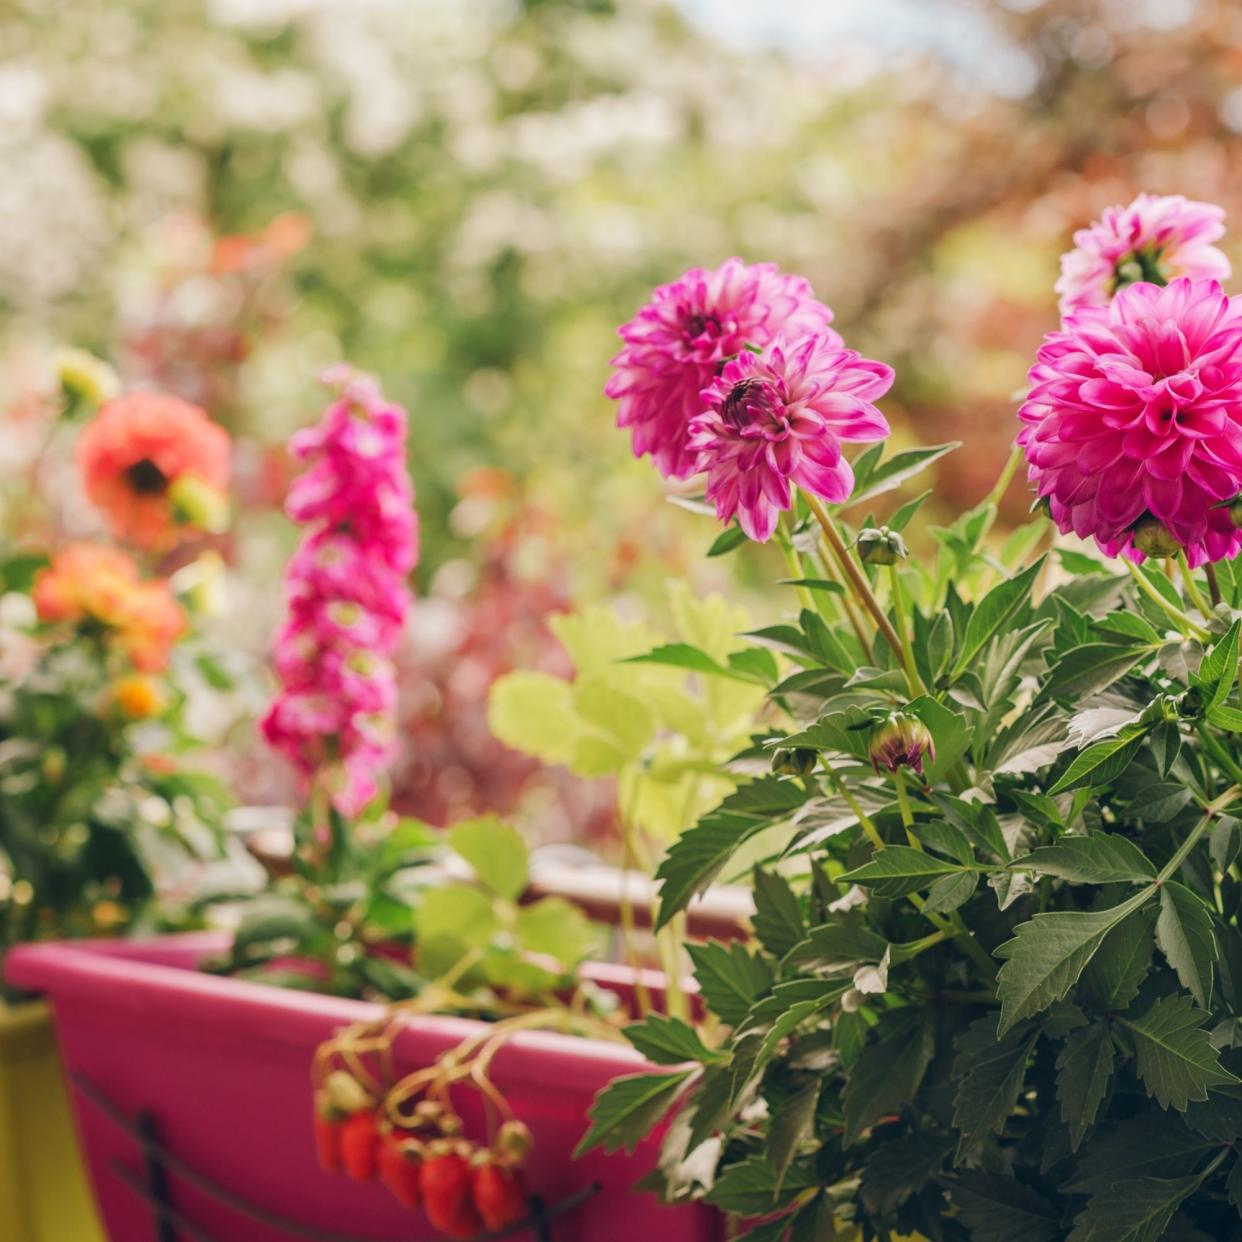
(466,197)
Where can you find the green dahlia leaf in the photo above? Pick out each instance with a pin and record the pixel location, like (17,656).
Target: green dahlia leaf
(1101,858)
(730,979)
(1176,1060)
(1104,761)
(778,918)
(1084,1070)
(995,1207)
(1136,1210)
(792,1122)
(1184,934)
(989,1074)
(997,608)
(894,1171)
(900,869)
(887,1074)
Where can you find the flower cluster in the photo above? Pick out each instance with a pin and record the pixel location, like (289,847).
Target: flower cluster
(735,373)
(153,463)
(1135,413)
(346,591)
(1153,239)
(92,586)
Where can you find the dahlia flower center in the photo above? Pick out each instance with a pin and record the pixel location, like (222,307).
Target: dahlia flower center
(756,405)
(146,478)
(700,325)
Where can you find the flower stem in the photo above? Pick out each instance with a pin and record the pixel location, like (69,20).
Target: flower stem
(997,494)
(1192,587)
(903,804)
(903,626)
(863,818)
(862,588)
(1213,586)
(1182,621)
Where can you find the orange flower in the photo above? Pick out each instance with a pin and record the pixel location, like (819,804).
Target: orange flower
(94,584)
(140,453)
(139,696)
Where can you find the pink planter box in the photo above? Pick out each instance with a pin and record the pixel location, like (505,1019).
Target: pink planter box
(223,1068)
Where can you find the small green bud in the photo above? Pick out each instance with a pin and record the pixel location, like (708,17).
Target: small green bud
(901,741)
(199,504)
(1153,538)
(798,762)
(85,379)
(877,545)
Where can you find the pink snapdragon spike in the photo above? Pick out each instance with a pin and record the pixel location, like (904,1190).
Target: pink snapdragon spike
(778,419)
(346,592)
(675,345)
(1153,239)
(1136,409)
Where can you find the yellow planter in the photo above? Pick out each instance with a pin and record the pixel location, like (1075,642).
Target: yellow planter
(43,1190)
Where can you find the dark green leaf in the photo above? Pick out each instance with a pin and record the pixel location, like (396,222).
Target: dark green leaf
(894,472)
(1176,1061)
(1136,1210)
(1102,762)
(1116,972)
(728,539)
(1151,1146)
(729,978)
(894,1171)
(1100,858)
(837,948)
(998,1208)
(1084,1069)
(749,1187)
(778,919)
(1087,670)
(950,891)
(1219,669)
(1184,934)
(792,1123)
(899,869)
(997,608)
(668,1041)
(627,1108)
(989,1074)
(886,1076)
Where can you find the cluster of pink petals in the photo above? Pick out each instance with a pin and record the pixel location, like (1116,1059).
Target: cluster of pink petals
(1163,237)
(346,592)
(778,419)
(1136,408)
(676,344)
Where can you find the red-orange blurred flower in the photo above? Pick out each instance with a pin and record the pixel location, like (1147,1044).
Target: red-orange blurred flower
(153,462)
(87,582)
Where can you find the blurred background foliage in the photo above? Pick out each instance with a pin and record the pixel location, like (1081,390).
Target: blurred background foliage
(466,197)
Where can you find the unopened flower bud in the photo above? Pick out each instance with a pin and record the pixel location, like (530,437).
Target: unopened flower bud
(1153,538)
(877,545)
(901,741)
(199,504)
(343,1093)
(85,379)
(798,762)
(513,1142)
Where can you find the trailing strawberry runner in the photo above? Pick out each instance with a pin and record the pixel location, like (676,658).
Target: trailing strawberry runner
(997,969)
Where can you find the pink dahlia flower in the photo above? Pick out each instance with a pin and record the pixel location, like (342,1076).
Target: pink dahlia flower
(346,593)
(1136,409)
(1153,239)
(777,419)
(677,343)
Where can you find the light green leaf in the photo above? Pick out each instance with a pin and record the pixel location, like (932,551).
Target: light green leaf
(1101,858)
(894,472)
(1104,761)
(623,719)
(459,911)
(558,929)
(597,638)
(1176,1060)
(1048,953)
(1225,717)
(496,853)
(1184,934)
(534,713)
(627,1108)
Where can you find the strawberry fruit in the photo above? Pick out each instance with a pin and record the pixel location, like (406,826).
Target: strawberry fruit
(446,1181)
(400,1169)
(499,1195)
(360,1142)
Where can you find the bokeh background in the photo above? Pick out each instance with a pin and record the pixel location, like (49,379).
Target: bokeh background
(466,197)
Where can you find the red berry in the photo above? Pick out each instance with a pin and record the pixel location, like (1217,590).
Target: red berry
(360,1146)
(446,1183)
(328,1143)
(499,1195)
(400,1170)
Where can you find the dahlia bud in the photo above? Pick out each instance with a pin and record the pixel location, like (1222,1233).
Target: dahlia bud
(85,379)
(799,762)
(901,741)
(199,504)
(881,546)
(1153,538)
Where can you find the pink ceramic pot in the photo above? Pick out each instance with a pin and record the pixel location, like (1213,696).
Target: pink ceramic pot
(222,1067)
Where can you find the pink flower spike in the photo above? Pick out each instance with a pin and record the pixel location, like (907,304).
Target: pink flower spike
(676,344)
(1154,238)
(1136,409)
(778,419)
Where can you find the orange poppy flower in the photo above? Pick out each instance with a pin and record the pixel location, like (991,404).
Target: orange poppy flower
(152,462)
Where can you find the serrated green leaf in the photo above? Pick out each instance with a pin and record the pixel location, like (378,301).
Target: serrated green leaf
(887,1074)
(1101,858)
(627,1108)
(995,1208)
(836,948)
(1176,1061)
(988,1073)
(1047,954)
(1102,762)
(1084,1069)
(948,730)
(1219,669)
(748,1188)
(996,609)
(695,859)
(730,979)
(1149,1146)
(950,892)
(1136,1210)
(894,472)
(683,655)
(1114,975)
(1087,670)
(900,869)
(668,1041)
(495,852)
(1184,934)
(896,1170)
(778,919)
(792,1123)
(557,929)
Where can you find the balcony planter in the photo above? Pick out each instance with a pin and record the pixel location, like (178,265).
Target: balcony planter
(43,1191)
(220,1067)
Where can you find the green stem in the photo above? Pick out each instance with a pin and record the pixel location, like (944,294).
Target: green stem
(997,494)
(1183,622)
(1223,759)
(903,805)
(903,629)
(858,580)
(1213,585)
(1210,811)
(1192,587)
(863,818)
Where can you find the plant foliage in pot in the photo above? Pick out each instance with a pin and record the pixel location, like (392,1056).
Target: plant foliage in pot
(994,988)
